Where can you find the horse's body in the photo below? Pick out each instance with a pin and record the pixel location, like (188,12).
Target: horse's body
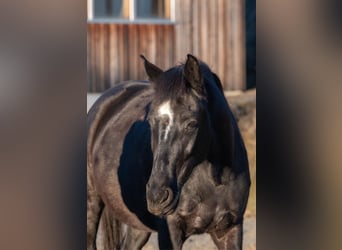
(160,161)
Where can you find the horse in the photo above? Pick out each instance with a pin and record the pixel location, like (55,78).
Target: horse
(166,155)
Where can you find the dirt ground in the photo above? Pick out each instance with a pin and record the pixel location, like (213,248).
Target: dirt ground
(204,242)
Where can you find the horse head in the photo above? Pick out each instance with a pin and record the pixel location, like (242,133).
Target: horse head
(180,126)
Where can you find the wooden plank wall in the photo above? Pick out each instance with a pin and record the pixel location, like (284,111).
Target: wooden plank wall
(214,32)
(114,49)
(211,30)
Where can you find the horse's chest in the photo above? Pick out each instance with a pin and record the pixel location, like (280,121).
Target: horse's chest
(203,216)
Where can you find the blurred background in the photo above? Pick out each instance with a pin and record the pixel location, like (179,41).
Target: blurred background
(43,84)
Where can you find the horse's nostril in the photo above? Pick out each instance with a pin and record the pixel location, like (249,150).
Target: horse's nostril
(167,197)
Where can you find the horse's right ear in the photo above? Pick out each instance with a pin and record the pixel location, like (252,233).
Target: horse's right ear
(152,71)
(192,74)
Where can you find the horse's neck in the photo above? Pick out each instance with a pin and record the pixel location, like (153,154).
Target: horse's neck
(222,133)
(209,173)
(226,144)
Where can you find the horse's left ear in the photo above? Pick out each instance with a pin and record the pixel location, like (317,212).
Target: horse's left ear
(152,70)
(192,74)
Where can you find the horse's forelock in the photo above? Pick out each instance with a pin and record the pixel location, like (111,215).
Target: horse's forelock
(170,84)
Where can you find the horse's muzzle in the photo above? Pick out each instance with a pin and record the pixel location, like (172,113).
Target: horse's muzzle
(159,201)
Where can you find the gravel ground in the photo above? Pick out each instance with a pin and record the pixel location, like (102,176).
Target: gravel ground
(204,242)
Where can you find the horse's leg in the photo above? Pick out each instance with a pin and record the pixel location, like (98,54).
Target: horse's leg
(170,235)
(109,233)
(229,240)
(94,209)
(135,239)
(164,240)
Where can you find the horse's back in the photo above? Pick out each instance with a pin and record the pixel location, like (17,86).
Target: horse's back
(119,152)
(113,97)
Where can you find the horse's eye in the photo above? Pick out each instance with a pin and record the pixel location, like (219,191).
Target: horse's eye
(191,125)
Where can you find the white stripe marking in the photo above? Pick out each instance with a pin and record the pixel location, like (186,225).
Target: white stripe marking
(165,109)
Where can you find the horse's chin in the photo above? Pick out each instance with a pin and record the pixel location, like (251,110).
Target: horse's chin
(168,210)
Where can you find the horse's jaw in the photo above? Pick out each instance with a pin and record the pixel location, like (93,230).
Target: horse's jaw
(167,210)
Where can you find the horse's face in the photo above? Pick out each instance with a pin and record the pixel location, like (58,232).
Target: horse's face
(180,140)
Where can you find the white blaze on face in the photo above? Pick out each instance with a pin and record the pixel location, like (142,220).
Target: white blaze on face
(165,109)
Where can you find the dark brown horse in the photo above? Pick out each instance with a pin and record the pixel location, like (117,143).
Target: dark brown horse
(167,156)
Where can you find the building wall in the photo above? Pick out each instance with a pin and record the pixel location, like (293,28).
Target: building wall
(114,49)
(211,30)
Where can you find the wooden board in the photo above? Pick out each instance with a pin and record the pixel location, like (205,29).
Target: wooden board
(211,30)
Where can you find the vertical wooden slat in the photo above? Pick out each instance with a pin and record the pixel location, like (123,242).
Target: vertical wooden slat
(92,58)
(203,29)
(106,59)
(89,59)
(228,66)
(212,35)
(113,57)
(232,39)
(136,53)
(180,27)
(130,51)
(171,44)
(238,40)
(120,52)
(93,51)
(160,45)
(209,50)
(97,56)
(126,57)
(222,23)
(153,49)
(142,42)
(157,58)
(230,47)
(195,29)
(166,47)
(101,57)
(162,41)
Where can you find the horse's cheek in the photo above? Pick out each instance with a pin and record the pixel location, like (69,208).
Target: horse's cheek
(154,136)
(189,144)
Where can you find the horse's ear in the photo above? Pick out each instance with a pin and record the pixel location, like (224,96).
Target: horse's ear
(152,71)
(192,74)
